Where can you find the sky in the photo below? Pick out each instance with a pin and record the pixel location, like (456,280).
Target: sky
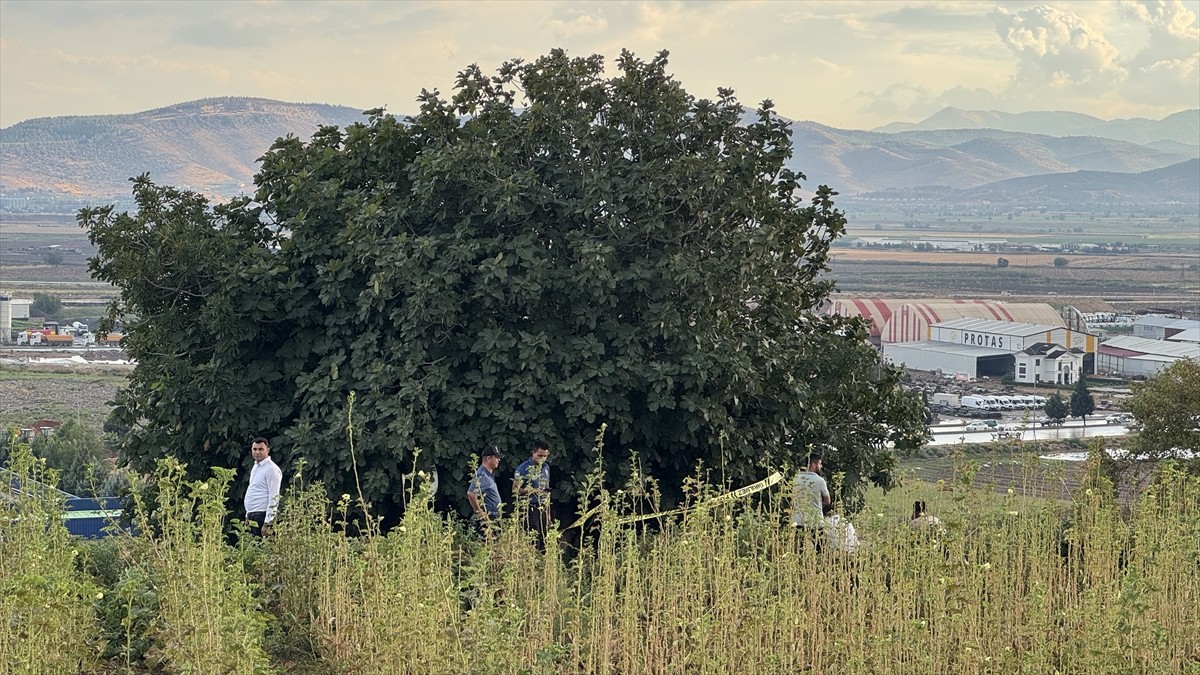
(847,64)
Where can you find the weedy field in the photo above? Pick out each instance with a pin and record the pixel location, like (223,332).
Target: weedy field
(1006,584)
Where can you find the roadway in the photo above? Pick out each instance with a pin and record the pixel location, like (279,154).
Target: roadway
(950,432)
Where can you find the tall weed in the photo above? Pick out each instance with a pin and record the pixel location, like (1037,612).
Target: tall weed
(47,623)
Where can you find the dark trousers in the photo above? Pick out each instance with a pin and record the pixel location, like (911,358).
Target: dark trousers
(537,520)
(810,537)
(254,521)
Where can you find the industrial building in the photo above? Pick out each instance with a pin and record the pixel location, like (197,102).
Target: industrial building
(1131,356)
(1153,327)
(988,347)
(894,320)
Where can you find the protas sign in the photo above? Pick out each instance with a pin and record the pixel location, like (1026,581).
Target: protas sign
(985,340)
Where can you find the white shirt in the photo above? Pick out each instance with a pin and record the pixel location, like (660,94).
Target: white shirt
(841,534)
(263,493)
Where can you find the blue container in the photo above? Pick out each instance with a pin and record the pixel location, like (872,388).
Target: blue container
(87,518)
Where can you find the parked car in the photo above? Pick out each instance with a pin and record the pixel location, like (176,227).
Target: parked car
(1050,422)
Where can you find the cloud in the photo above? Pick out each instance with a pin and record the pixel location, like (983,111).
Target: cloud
(581,24)
(898,101)
(1173,18)
(224,34)
(1168,62)
(831,67)
(146,66)
(931,18)
(1058,49)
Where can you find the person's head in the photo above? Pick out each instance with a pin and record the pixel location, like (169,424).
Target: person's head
(491,457)
(260,448)
(814,462)
(541,450)
(918,509)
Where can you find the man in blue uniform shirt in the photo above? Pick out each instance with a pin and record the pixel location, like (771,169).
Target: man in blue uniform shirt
(531,481)
(483,493)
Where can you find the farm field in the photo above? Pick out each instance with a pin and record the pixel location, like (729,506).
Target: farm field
(28,394)
(1170,280)
(1163,272)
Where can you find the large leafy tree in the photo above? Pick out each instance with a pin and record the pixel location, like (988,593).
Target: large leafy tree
(1167,410)
(544,252)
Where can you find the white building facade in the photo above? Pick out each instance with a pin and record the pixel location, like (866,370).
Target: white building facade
(1048,363)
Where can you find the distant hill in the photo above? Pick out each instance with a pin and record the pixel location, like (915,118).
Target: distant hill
(212,146)
(856,162)
(1175,183)
(1181,127)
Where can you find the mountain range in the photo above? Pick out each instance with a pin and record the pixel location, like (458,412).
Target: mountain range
(1182,127)
(212,146)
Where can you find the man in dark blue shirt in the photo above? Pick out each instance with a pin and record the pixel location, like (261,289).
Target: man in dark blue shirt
(483,493)
(531,484)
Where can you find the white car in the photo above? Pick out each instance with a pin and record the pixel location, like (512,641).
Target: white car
(977,426)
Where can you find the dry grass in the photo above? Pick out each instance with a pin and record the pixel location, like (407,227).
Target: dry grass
(1008,585)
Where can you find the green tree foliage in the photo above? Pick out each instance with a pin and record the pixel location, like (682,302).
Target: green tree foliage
(1061,262)
(543,252)
(77,452)
(1168,410)
(1082,403)
(46,305)
(1056,408)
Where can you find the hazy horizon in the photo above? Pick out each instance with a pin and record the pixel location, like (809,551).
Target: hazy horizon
(855,65)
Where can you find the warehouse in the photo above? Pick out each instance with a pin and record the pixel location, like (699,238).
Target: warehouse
(1154,327)
(1130,356)
(909,319)
(973,362)
(979,347)
(913,321)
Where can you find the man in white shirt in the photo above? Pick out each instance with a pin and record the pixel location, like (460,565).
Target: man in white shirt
(262,496)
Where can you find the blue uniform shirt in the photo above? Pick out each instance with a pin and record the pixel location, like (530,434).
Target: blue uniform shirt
(484,487)
(527,475)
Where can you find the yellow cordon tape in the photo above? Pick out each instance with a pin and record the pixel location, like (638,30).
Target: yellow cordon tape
(719,499)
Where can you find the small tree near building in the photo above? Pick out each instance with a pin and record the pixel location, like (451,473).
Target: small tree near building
(1061,262)
(1082,403)
(1056,408)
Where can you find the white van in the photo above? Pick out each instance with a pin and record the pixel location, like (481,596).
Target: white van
(944,399)
(977,402)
